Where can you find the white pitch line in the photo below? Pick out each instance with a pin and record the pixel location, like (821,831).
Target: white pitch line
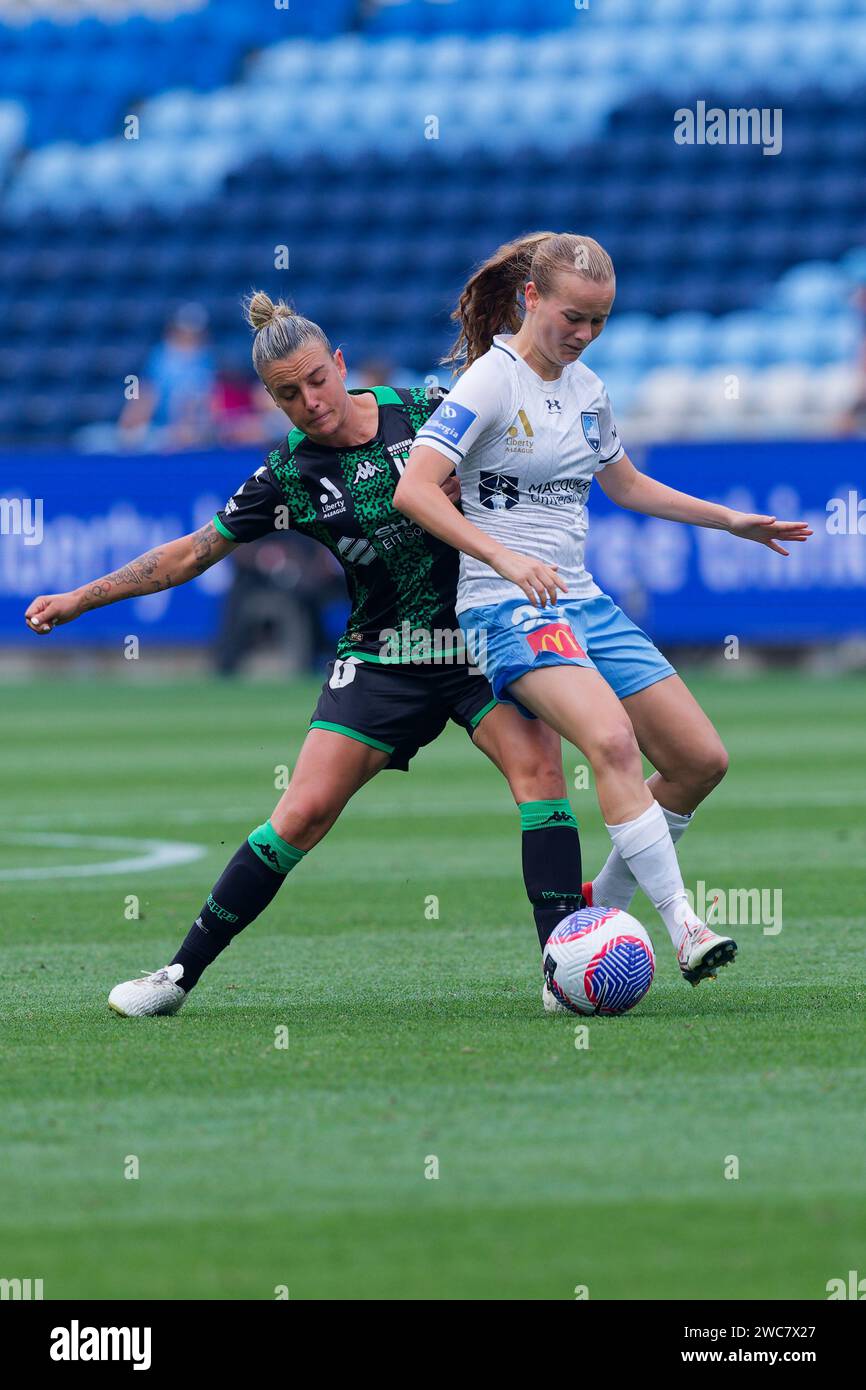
(154,854)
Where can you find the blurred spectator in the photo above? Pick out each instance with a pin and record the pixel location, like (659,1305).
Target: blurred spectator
(854,419)
(242,412)
(173,406)
(379,371)
(375,371)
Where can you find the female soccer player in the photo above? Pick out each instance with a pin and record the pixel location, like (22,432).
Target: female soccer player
(333,479)
(528,426)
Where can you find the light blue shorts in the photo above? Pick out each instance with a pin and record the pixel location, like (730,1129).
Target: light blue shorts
(510,639)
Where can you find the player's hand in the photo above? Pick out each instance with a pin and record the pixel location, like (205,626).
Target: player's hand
(537,580)
(50,611)
(451,488)
(767,530)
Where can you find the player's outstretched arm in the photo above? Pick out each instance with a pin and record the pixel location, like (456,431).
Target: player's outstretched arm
(165,567)
(629,488)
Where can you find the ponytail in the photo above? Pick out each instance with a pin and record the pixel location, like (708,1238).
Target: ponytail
(490,301)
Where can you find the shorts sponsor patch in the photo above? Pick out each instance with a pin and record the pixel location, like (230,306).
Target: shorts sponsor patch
(556,637)
(449,422)
(344,672)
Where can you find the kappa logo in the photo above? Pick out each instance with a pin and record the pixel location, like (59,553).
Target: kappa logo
(591,429)
(498,492)
(266,851)
(366,471)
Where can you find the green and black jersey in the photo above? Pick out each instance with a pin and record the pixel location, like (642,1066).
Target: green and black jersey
(401,580)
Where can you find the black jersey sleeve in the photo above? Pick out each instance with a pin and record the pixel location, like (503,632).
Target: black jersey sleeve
(256,509)
(435,396)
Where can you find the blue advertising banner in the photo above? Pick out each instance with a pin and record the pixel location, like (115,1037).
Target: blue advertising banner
(66,519)
(691,584)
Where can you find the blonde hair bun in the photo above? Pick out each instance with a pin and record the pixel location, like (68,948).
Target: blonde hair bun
(260,310)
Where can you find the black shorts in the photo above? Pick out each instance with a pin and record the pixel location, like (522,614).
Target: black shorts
(400,708)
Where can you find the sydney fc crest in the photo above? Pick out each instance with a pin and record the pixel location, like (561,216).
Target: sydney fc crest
(591,431)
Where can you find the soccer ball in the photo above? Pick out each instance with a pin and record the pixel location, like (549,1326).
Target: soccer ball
(599,961)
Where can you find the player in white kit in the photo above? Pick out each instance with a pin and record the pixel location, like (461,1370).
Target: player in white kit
(528,426)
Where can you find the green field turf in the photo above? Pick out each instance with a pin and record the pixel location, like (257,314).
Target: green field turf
(408,1037)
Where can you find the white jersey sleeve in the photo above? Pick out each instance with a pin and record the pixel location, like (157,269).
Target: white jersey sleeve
(610,449)
(478,406)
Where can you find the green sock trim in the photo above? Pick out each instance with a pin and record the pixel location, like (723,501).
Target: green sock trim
(543,815)
(274,851)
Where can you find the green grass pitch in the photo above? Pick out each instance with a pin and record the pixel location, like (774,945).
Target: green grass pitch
(411,1038)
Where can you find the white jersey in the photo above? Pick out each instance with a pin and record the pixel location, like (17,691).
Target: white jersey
(525,451)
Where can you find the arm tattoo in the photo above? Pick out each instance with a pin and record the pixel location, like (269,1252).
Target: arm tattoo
(149,575)
(130,581)
(205,542)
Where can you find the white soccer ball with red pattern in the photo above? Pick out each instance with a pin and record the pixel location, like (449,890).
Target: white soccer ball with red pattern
(599,960)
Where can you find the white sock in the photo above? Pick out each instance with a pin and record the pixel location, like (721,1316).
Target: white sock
(646,846)
(616,885)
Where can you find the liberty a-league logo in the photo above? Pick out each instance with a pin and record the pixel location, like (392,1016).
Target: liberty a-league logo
(591,430)
(498,492)
(332,500)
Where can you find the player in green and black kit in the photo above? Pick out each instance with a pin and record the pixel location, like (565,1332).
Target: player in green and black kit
(400,671)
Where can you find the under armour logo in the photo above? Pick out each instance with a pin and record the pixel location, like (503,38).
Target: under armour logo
(554,407)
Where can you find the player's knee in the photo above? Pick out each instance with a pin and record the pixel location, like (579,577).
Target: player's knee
(710,765)
(304,820)
(538,781)
(615,750)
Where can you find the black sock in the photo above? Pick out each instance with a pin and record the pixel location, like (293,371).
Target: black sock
(249,882)
(551,863)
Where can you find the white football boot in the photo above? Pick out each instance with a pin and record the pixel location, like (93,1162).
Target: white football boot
(702,952)
(550,1001)
(158,993)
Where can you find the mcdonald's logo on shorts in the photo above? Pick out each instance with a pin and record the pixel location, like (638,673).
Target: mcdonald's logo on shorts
(555,637)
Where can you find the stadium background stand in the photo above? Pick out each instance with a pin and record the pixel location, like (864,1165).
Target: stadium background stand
(730,261)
